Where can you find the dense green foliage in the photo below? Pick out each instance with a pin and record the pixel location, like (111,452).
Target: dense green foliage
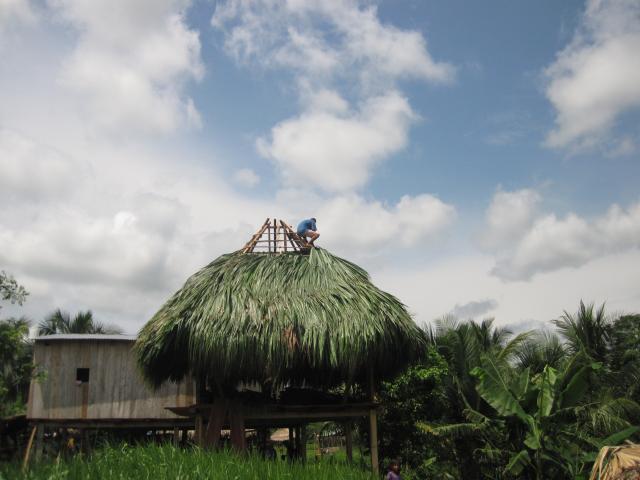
(16,365)
(418,395)
(15,351)
(160,462)
(282,319)
(491,405)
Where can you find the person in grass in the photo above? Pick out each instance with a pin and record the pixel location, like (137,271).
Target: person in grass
(308,229)
(393,472)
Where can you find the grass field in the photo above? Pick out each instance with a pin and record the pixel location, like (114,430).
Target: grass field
(156,462)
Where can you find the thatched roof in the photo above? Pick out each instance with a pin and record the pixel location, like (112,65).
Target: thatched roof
(617,463)
(285,318)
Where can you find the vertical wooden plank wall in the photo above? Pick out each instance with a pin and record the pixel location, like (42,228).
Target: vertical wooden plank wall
(115,389)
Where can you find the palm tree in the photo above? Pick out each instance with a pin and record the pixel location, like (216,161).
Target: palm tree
(588,331)
(540,350)
(465,345)
(61,322)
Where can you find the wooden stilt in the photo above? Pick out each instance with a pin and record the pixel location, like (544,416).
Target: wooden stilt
(176,436)
(37,454)
(216,419)
(27,452)
(84,435)
(236,422)
(373,434)
(199,433)
(303,443)
(373,425)
(348,440)
(292,446)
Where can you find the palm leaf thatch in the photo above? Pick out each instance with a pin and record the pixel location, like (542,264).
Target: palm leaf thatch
(617,463)
(311,319)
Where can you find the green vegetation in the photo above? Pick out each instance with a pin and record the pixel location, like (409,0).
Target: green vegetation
(160,462)
(485,404)
(82,322)
(15,351)
(16,365)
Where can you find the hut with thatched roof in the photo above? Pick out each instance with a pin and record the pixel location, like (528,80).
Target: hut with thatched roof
(269,330)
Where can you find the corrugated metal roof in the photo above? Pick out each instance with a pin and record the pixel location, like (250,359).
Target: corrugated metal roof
(86,337)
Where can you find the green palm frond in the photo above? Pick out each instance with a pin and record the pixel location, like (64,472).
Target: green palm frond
(454,430)
(588,330)
(512,347)
(539,350)
(286,318)
(610,415)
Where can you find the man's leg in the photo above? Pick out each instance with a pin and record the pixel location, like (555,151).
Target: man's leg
(313,235)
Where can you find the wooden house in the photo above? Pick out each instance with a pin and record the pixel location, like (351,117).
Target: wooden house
(93,381)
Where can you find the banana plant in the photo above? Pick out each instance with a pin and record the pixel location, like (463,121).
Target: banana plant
(541,405)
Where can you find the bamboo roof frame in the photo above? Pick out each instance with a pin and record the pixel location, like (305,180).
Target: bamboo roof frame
(276,236)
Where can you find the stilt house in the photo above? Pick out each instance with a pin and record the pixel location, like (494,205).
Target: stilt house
(268,330)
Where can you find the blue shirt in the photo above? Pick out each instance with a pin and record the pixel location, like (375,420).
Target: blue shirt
(305,225)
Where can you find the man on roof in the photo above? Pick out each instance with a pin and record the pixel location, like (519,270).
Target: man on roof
(307,229)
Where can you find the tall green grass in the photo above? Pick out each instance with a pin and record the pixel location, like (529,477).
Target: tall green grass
(158,462)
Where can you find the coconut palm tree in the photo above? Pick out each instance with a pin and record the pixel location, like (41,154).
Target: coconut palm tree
(464,345)
(60,321)
(588,331)
(540,350)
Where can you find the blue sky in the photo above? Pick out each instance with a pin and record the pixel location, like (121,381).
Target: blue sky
(478,158)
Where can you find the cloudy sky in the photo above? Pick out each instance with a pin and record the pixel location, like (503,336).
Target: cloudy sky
(478,158)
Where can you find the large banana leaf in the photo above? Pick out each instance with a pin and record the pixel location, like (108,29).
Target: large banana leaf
(517,463)
(521,384)
(493,387)
(546,392)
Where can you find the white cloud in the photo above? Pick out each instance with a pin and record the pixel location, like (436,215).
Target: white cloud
(15,11)
(76,247)
(340,136)
(246,177)
(353,224)
(337,151)
(333,37)
(433,290)
(509,215)
(131,62)
(527,243)
(31,172)
(596,78)
(622,147)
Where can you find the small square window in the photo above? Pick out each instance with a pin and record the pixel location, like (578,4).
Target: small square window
(82,375)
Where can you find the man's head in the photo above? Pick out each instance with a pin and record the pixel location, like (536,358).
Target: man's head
(313,218)
(394,466)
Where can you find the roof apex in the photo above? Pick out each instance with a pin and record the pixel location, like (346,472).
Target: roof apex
(276,236)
